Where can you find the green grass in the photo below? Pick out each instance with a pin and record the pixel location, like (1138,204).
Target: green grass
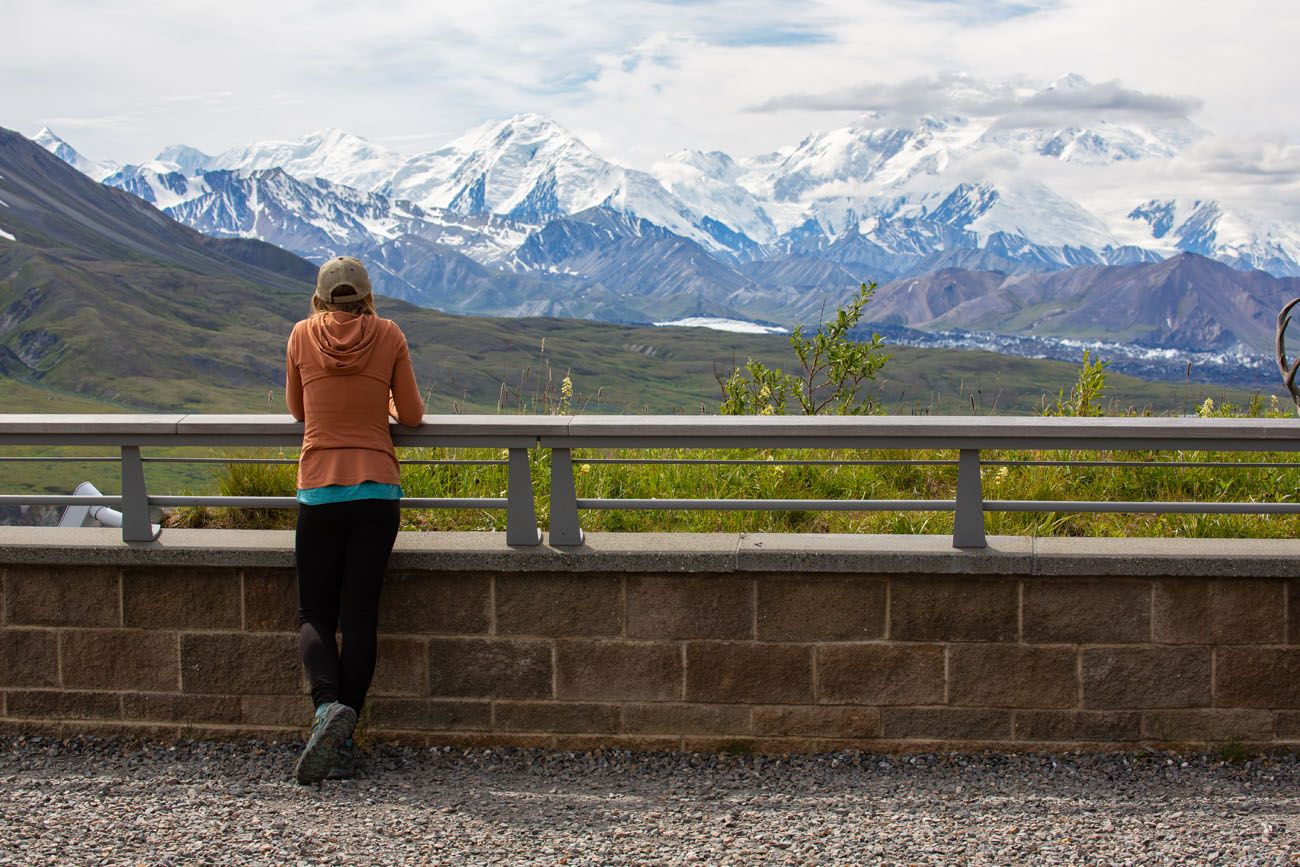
(777,480)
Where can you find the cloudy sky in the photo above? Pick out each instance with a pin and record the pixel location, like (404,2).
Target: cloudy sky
(634,78)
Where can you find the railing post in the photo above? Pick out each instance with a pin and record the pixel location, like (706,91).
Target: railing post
(564,500)
(968,523)
(521,510)
(135,499)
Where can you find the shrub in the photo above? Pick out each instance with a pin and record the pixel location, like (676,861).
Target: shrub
(835,369)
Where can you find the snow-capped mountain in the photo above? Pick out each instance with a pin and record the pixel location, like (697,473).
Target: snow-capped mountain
(519,205)
(1241,240)
(709,184)
(1090,137)
(874,168)
(332,154)
(531,169)
(66,152)
(314,218)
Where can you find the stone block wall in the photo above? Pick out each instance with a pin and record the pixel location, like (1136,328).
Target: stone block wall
(743,659)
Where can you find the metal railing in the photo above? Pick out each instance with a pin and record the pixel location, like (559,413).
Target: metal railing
(129,433)
(561,435)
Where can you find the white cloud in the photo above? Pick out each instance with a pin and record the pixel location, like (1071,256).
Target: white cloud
(1014,103)
(639,76)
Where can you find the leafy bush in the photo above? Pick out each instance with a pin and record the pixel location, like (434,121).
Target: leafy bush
(835,369)
(1085,395)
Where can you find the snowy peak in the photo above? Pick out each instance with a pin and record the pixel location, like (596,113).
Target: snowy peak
(1075,120)
(1028,210)
(502,166)
(1069,81)
(709,183)
(1241,240)
(314,218)
(529,131)
(183,159)
(529,168)
(66,152)
(1071,121)
(47,139)
(157,185)
(331,154)
(714,165)
(1095,142)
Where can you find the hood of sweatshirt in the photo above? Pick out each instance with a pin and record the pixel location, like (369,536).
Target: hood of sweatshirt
(343,341)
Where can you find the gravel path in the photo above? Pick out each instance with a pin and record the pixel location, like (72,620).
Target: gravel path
(115,801)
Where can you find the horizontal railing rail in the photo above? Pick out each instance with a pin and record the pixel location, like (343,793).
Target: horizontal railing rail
(129,433)
(968,437)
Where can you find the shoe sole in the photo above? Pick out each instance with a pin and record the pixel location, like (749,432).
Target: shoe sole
(341,773)
(320,752)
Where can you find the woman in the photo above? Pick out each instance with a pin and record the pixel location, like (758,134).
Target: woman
(347,371)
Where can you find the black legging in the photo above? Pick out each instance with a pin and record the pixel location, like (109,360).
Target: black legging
(341,550)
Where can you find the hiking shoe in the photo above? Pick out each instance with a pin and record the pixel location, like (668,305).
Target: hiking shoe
(346,762)
(333,725)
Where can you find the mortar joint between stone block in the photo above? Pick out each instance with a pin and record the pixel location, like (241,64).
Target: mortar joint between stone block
(812,670)
(1020,611)
(1151,611)
(1287,626)
(947,685)
(1214,680)
(1078,670)
(681,693)
(889,596)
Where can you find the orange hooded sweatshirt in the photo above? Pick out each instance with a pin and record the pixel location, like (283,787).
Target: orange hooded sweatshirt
(345,374)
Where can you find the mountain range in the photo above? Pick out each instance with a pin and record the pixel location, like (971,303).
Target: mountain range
(520,218)
(106,302)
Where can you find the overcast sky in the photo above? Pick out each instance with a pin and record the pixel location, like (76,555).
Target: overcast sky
(634,78)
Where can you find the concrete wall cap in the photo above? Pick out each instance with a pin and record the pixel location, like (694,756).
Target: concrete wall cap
(709,553)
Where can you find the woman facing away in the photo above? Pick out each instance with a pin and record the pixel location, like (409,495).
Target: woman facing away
(347,371)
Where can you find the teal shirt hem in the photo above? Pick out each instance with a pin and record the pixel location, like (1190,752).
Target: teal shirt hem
(344,493)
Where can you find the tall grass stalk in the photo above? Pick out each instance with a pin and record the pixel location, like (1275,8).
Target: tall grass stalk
(776,480)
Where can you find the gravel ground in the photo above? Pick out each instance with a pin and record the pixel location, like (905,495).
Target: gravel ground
(114,801)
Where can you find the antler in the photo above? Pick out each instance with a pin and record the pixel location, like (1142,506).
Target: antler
(1288,371)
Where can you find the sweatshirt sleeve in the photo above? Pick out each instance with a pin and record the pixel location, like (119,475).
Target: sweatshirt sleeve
(405,404)
(293,379)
